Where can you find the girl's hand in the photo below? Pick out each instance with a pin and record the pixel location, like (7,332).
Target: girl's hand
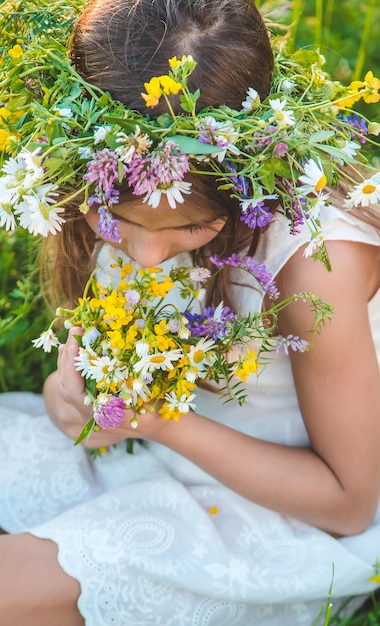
(65,394)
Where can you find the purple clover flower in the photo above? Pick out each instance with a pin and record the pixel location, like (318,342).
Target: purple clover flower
(280,149)
(111,414)
(103,170)
(213,324)
(257,214)
(247,263)
(146,173)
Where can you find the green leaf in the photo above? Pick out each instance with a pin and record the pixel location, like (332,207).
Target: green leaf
(189,145)
(86,431)
(340,154)
(321,135)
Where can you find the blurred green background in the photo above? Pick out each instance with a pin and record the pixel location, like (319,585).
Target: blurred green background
(345,31)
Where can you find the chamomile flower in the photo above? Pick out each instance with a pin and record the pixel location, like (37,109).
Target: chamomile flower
(201,355)
(314,180)
(36,215)
(281,115)
(89,336)
(367,192)
(47,340)
(252,100)
(173,192)
(183,404)
(158,361)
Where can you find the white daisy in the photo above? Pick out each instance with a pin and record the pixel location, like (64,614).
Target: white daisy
(367,192)
(314,179)
(281,115)
(35,214)
(142,348)
(201,355)
(100,133)
(89,336)
(173,193)
(247,203)
(63,112)
(83,361)
(33,165)
(252,101)
(158,361)
(104,369)
(47,340)
(183,404)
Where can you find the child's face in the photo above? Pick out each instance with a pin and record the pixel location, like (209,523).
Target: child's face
(151,236)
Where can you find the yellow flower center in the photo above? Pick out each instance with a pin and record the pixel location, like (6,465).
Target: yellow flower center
(158,358)
(369,188)
(198,356)
(321,184)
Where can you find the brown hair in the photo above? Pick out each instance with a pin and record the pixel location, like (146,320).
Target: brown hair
(118,46)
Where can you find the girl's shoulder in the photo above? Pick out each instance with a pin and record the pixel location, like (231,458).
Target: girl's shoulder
(277,245)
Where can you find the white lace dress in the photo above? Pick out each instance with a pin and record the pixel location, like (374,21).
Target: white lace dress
(136,530)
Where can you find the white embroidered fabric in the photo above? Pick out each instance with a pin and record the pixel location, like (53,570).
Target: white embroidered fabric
(136,530)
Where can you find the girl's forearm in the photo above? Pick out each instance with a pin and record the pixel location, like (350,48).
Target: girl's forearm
(293,481)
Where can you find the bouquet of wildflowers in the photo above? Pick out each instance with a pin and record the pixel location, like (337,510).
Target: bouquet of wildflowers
(139,350)
(61,137)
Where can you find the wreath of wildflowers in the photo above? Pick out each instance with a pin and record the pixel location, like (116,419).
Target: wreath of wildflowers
(62,138)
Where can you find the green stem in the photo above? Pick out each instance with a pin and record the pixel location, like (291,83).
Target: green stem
(318,22)
(295,19)
(368,25)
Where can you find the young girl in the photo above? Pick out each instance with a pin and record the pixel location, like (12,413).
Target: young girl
(232,515)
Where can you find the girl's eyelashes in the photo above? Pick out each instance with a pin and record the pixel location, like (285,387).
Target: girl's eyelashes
(191,229)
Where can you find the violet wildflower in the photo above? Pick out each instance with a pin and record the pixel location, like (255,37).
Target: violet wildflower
(294,343)
(108,226)
(256,214)
(359,124)
(247,263)
(111,413)
(213,323)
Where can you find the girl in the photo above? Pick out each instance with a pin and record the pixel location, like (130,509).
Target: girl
(238,516)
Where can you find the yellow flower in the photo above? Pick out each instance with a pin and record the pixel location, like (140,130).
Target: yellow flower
(16,52)
(130,337)
(157,86)
(160,290)
(176,63)
(168,413)
(116,339)
(125,270)
(349,101)
(4,136)
(247,366)
(375,579)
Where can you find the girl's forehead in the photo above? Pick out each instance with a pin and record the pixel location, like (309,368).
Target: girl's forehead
(163,216)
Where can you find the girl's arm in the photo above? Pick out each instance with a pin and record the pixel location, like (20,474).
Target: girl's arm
(335,484)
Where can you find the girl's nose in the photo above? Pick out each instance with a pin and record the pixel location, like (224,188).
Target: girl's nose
(149,249)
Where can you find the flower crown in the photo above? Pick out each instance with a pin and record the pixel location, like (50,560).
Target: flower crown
(62,138)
